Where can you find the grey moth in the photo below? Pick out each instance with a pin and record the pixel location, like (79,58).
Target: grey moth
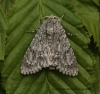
(50,47)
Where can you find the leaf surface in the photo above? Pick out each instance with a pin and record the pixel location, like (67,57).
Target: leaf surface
(25,16)
(3,28)
(89,13)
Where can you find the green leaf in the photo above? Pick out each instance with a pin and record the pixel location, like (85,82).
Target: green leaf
(3,28)
(2,91)
(96,2)
(97,68)
(6,5)
(90,18)
(25,16)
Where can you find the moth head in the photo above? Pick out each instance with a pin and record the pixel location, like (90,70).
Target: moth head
(52,17)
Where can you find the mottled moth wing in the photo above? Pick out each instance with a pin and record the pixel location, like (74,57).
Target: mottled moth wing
(34,59)
(50,47)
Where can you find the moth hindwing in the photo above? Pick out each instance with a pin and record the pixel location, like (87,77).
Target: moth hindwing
(50,47)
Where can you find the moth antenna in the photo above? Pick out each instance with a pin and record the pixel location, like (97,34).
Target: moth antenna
(62,17)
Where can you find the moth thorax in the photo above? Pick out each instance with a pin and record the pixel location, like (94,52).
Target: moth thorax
(49,39)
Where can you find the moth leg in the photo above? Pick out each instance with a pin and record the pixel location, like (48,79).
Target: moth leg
(71,34)
(30,31)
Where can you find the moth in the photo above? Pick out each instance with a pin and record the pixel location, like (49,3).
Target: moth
(50,47)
